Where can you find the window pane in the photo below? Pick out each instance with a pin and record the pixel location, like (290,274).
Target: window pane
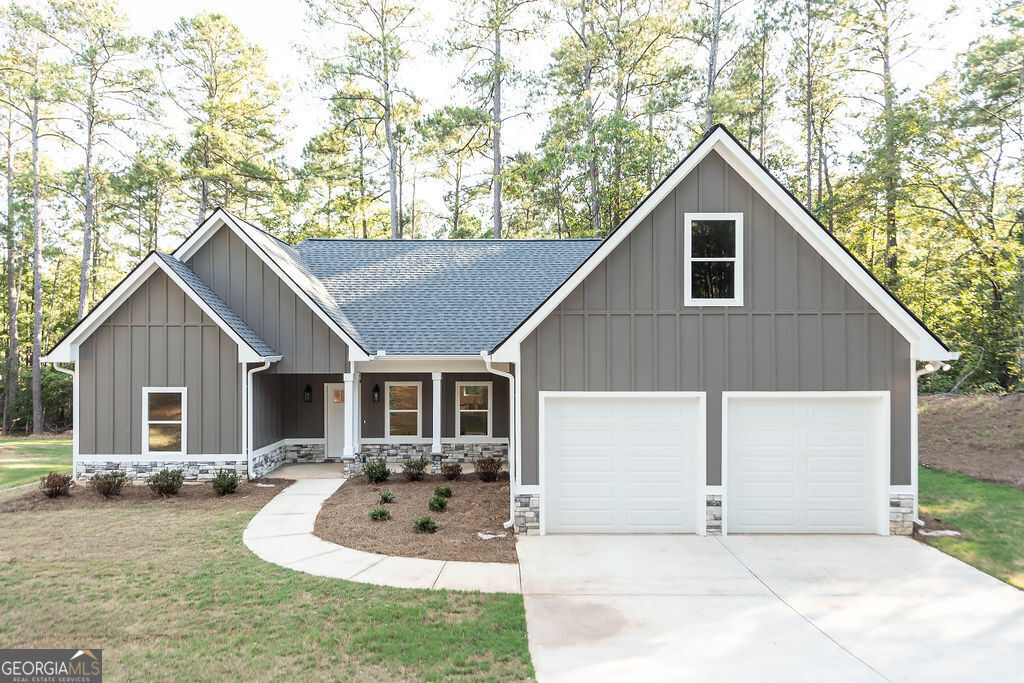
(473,424)
(713,239)
(712,279)
(165,438)
(164,406)
(339,396)
(403,424)
(473,397)
(402,397)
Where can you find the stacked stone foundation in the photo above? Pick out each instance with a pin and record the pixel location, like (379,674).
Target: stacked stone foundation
(138,471)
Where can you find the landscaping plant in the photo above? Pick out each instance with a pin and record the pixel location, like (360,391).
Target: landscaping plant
(386,497)
(225,482)
(55,484)
(488,468)
(451,471)
(108,484)
(443,491)
(166,482)
(415,469)
(425,524)
(379,514)
(438,503)
(376,471)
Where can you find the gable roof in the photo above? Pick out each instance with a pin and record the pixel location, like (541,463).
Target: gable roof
(925,345)
(440,296)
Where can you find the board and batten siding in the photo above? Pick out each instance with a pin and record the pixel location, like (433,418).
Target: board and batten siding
(802,327)
(253,290)
(158,338)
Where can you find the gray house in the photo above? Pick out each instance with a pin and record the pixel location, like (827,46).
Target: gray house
(719,363)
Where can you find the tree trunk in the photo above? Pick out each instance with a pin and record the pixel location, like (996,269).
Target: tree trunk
(891,162)
(617,153)
(87,228)
(362,184)
(455,208)
(588,103)
(12,369)
(808,94)
(496,136)
(709,87)
(389,135)
(37,281)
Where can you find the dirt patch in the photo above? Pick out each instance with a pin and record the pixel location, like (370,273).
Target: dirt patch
(980,436)
(248,496)
(474,506)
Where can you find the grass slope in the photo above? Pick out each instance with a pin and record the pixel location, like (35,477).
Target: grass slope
(991,517)
(171,593)
(23,461)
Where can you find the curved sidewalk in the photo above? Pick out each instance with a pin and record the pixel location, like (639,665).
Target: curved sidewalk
(282,533)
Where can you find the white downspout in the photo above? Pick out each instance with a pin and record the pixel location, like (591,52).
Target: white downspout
(74,415)
(512,444)
(247,431)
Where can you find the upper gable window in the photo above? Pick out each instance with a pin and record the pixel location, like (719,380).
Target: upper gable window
(713,259)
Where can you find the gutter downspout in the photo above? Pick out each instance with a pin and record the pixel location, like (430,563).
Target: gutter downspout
(512,445)
(247,431)
(74,414)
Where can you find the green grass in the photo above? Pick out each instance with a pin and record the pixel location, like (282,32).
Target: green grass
(173,594)
(23,461)
(991,517)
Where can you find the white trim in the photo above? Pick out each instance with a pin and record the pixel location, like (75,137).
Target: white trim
(490,409)
(146,422)
(923,345)
(423,441)
(884,444)
(736,260)
(435,413)
(700,455)
(419,413)
(913,435)
(348,437)
(422,364)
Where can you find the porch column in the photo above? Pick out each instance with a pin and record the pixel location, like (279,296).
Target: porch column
(435,446)
(357,415)
(350,423)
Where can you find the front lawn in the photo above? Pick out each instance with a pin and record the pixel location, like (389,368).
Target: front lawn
(169,592)
(23,461)
(990,516)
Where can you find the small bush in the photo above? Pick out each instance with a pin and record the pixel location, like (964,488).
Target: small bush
(380,514)
(108,484)
(55,484)
(166,482)
(443,491)
(415,469)
(376,471)
(488,468)
(225,482)
(451,471)
(386,497)
(438,503)
(425,524)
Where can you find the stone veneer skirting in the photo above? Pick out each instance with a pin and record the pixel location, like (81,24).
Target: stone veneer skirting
(137,471)
(527,513)
(901,514)
(713,511)
(451,452)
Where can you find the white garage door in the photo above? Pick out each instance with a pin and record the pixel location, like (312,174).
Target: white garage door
(806,463)
(621,463)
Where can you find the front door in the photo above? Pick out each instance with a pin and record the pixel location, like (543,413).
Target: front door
(334,419)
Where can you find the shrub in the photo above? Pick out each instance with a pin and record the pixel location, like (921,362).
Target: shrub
(376,471)
(225,482)
(166,482)
(386,497)
(415,469)
(55,484)
(451,471)
(425,524)
(443,491)
(379,514)
(438,503)
(108,484)
(488,468)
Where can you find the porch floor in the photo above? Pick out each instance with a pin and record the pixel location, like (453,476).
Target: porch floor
(309,470)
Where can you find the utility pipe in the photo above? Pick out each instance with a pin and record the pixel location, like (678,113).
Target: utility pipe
(247,431)
(511,437)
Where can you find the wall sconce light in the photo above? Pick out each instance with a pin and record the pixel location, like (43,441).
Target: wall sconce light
(375,396)
(307,395)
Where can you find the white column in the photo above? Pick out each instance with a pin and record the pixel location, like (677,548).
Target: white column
(357,414)
(435,447)
(350,404)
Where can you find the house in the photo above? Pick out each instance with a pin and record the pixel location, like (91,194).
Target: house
(719,363)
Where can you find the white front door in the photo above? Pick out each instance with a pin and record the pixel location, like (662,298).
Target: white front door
(334,419)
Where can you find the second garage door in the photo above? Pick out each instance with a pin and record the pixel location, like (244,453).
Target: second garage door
(621,463)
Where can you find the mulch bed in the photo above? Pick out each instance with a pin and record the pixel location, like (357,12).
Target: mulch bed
(474,506)
(248,496)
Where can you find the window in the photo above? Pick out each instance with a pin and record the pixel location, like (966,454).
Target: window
(403,410)
(714,259)
(473,409)
(163,415)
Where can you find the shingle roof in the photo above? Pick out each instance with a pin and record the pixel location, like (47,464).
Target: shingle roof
(439,296)
(218,305)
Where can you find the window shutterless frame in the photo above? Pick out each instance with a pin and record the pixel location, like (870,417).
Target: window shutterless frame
(689,259)
(146,422)
(388,411)
(459,410)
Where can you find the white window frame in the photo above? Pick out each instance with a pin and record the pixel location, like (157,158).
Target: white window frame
(146,391)
(688,298)
(490,411)
(387,411)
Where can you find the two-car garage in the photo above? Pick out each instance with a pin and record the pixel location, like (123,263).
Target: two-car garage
(792,462)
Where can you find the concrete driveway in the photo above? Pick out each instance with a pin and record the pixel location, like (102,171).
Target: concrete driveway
(765,608)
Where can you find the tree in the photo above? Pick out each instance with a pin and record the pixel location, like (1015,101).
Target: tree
(708,30)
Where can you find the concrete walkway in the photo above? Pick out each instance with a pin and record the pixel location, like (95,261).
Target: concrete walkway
(282,533)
